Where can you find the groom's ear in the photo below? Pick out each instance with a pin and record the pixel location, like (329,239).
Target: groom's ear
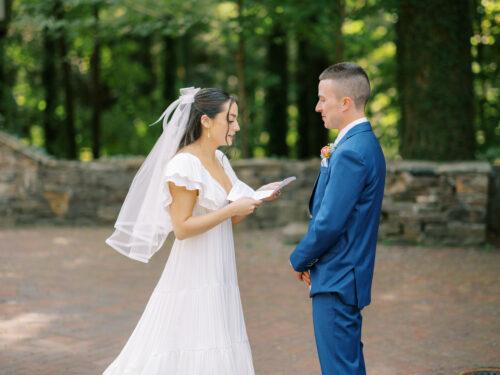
(347,103)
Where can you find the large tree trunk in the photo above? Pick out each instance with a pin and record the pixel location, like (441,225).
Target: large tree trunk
(242,93)
(169,68)
(276,96)
(69,99)
(435,79)
(95,71)
(312,134)
(312,60)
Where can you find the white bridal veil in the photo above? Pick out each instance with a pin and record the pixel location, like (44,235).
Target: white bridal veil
(144,223)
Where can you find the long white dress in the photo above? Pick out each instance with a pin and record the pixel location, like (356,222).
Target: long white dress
(193,323)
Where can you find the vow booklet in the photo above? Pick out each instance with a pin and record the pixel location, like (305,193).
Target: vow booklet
(242,190)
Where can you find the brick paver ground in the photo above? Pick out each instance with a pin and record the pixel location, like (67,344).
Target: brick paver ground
(68,303)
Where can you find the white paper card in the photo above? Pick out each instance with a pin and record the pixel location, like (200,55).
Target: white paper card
(242,190)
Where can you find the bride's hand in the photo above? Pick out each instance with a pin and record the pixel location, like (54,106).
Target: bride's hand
(273,197)
(244,206)
(271,186)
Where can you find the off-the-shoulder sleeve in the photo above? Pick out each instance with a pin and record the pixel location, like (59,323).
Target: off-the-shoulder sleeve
(186,171)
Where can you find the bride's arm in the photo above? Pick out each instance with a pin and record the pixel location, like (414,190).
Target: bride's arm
(186,225)
(238,219)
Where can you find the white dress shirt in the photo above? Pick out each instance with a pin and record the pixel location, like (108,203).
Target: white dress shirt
(349,126)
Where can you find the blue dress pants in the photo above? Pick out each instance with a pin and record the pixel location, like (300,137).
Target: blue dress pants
(337,328)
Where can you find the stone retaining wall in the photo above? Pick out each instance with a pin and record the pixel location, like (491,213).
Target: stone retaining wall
(424,202)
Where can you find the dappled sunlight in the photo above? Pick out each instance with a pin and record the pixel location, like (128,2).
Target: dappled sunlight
(23,327)
(73,263)
(388,297)
(61,241)
(68,301)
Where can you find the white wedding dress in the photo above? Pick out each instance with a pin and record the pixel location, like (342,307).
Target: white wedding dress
(193,323)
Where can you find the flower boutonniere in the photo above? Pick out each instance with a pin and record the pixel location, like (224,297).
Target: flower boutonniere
(326,152)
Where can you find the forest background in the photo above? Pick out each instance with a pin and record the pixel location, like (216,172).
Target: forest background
(83,79)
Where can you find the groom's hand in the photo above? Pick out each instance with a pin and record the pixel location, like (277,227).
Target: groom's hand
(306,277)
(302,276)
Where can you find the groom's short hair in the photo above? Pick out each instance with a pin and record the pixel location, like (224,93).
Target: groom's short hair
(353,81)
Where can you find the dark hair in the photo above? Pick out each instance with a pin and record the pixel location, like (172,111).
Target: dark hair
(354,81)
(208,101)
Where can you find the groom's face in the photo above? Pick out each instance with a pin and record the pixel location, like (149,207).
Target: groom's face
(329,105)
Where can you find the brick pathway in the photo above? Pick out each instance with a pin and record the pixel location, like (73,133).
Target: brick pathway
(68,303)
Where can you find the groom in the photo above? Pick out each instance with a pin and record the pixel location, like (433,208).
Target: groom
(336,256)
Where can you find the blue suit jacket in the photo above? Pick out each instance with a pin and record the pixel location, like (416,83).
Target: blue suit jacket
(339,247)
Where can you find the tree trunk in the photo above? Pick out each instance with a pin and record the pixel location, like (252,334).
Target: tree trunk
(95,63)
(186,73)
(144,57)
(49,82)
(169,68)
(339,12)
(312,60)
(5,87)
(69,100)
(312,134)
(242,93)
(435,79)
(276,102)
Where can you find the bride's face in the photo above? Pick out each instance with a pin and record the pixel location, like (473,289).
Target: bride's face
(224,125)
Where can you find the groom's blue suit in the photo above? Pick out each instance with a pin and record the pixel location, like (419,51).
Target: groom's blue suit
(339,247)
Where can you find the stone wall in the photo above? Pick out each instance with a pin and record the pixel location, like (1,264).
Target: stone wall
(424,202)
(436,202)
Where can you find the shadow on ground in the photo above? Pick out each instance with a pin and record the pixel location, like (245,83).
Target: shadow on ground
(68,303)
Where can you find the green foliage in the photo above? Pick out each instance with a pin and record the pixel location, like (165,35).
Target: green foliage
(486,52)
(204,38)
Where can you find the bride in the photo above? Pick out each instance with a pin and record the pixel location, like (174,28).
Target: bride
(193,323)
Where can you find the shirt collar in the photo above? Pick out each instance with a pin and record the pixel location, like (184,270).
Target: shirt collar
(349,126)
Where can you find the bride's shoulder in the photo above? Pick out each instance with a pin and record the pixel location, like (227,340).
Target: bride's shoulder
(182,151)
(182,159)
(186,152)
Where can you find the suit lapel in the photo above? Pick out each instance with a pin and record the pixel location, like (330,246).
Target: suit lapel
(363,127)
(311,198)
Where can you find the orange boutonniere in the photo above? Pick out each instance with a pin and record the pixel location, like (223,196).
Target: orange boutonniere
(326,152)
